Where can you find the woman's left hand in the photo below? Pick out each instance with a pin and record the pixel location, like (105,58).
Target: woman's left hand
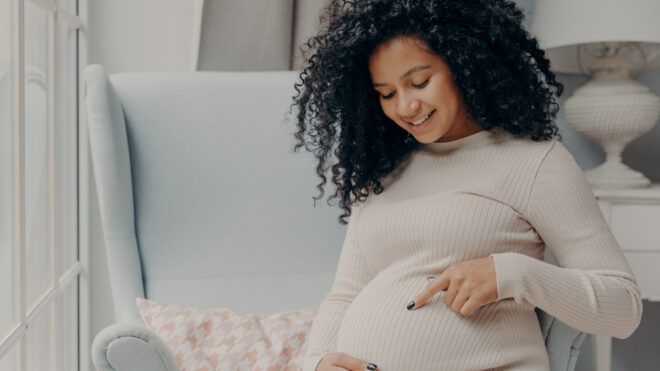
(469,285)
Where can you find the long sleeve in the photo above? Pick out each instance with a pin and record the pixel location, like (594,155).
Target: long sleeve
(592,288)
(351,276)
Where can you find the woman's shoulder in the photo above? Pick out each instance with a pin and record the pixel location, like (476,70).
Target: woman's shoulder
(546,150)
(524,145)
(549,159)
(526,155)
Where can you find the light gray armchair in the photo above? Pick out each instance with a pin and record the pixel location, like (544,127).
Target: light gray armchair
(204,203)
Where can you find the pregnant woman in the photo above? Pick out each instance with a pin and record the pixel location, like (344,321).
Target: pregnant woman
(440,115)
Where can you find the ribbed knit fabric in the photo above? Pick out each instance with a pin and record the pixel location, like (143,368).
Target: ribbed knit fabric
(487,194)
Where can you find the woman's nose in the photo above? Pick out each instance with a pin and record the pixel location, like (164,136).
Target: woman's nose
(408,108)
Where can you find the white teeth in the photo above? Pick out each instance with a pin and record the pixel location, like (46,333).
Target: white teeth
(422,120)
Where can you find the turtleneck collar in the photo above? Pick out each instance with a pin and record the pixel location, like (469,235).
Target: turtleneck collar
(473,140)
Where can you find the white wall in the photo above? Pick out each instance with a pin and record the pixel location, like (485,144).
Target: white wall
(153,35)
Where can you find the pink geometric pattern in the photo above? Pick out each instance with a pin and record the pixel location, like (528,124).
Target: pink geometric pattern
(220,339)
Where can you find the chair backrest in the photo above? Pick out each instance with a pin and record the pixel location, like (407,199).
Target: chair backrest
(223,207)
(204,203)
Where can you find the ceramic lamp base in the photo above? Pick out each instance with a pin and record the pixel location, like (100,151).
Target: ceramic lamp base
(615,174)
(612,110)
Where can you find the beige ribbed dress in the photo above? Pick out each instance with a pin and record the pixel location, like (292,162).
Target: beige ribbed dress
(480,195)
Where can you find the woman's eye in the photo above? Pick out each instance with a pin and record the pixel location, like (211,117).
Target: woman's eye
(422,84)
(418,86)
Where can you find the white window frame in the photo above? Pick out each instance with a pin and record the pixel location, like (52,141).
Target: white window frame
(15,339)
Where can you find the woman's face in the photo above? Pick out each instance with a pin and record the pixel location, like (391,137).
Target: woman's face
(413,82)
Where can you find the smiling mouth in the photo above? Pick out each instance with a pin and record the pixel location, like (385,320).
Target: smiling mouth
(422,120)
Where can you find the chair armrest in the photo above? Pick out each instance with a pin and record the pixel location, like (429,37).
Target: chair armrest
(129,346)
(562,342)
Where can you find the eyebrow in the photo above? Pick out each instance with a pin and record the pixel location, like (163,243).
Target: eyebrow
(414,69)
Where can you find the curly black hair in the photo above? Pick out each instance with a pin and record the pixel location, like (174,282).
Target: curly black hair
(494,61)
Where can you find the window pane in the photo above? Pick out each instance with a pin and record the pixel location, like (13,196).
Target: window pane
(37,338)
(65,148)
(8,361)
(67,328)
(68,5)
(66,192)
(6,176)
(36,152)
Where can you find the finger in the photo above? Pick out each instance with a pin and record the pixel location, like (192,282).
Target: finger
(434,285)
(354,364)
(442,281)
(452,291)
(471,306)
(360,365)
(461,298)
(420,299)
(334,366)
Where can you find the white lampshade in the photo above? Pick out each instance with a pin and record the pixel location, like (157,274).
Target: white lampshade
(561,25)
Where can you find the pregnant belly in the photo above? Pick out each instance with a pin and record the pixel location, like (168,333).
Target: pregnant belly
(378,328)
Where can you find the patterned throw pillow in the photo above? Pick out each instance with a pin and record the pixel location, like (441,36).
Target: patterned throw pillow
(221,339)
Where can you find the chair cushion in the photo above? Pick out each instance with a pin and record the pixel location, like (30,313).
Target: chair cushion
(222,339)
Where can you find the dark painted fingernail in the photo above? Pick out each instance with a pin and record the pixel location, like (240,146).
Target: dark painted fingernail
(371,366)
(410,305)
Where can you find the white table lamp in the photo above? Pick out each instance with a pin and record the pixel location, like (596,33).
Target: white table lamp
(612,109)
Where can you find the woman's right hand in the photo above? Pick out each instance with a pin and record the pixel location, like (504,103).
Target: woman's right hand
(339,361)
